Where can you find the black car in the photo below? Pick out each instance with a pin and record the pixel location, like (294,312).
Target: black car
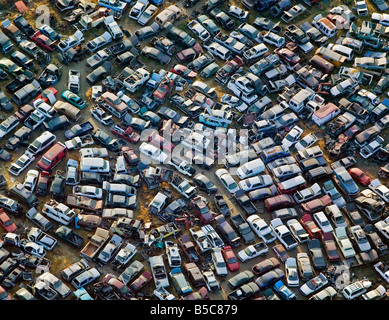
(221,205)
(20,138)
(106,140)
(222,18)
(201,62)
(204,183)
(316,253)
(121,47)
(56,123)
(22,60)
(5,104)
(23,25)
(79,130)
(164,44)
(99,74)
(57,188)
(148,31)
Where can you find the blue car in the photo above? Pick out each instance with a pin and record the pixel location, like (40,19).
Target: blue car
(284,291)
(346,182)
(336,197)
(157,2)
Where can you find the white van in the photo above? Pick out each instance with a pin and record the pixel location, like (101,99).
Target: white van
(250,169)
(325,114)
(41,143)
(98,165)
(170,14)
(356,289)
(342,50)
(325,26)
(298,101)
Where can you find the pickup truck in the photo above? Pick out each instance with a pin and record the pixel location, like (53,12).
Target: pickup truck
(245,202)
(136,80)
(383,269)
(201,239)
(68,235)
(338,125)
(40,237)
(283,234)
(18,83)
(252,251)
(183,186)
(182,166)
(79,142)
(39,219)
(97,241)
(243,228)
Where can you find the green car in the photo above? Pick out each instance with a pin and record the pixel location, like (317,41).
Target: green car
(73,99)
(179,282)
(209,70)
(151,116)
(241,278)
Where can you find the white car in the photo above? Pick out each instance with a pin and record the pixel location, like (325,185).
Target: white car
(286,171)
(344,243)
(291,273)
(199,30)
(57,284)
(308,193)
(382,18)
(47,110)
(210,281)
(147,14)
(261,228)
(125,254)
(380,189)
(326,293)
(372,147)
(153,152)
(71,41)
(292,137)
(100,115)
(358,235)
(88,191)
(273,39)
(237,12)
(8,125)
(297,230)
(33,248)
(173,254)
(19,165)
(138,8)
(218,262)
(322,222)
(31,179)
(313,285)
(227,180)
(356,289)
(255,52)
(256,182)
(375,294)
(309,140)
(234,102)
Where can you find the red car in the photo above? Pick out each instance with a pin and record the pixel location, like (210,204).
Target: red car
(23,112)
(316,205)
(330,247)
(45,95)
(228,69)
(230,258)
(202,210)
(359,176)
(44,41)
(310,226)
(288,56)
(279,202)
(163,90)
(6,222)
(42,185)
(189,54)
(130,156)
(118,286)
(160,142)
(127,134)
(281,252)
(141,281)
(201,294)
(184,71)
